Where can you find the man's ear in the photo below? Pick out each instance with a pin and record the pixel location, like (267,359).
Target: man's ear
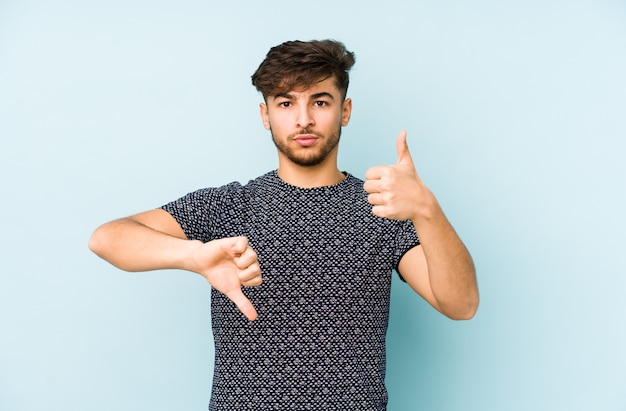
(264,115)
(346,112)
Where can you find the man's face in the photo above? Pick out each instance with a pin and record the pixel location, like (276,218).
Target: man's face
(306,123)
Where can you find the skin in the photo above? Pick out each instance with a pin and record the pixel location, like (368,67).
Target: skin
(441,269)
(306,125)
(319,112)
(153,240)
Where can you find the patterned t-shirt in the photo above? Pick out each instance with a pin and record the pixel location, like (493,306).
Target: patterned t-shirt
(323,307)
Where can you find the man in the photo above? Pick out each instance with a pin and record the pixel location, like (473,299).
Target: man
(300,259)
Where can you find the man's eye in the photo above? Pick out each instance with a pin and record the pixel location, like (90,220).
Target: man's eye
(285,104)
(321,103)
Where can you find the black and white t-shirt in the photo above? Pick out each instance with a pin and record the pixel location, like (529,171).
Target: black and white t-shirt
(326,262)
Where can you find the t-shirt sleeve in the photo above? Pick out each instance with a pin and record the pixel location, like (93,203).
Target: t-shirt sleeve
(406,239)
(194,212)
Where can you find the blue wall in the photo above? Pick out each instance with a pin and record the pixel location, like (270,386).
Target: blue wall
(516,113)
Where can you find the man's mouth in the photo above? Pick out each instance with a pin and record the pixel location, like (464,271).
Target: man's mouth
(306,140)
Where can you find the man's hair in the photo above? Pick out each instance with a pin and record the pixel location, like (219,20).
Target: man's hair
(300,64)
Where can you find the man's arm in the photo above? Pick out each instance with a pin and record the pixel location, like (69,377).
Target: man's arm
(442,272)
(154,240)
(440,269)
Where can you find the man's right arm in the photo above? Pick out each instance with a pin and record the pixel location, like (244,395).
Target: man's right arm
(154,240)
(151,240)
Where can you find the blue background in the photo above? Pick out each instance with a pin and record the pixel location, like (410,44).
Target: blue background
(516,115)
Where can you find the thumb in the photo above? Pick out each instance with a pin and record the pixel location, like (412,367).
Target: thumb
(404,156)
(239,246)
(243,304)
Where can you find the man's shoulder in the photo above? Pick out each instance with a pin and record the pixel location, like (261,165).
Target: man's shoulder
(271,184)
(236,186)
(351,179)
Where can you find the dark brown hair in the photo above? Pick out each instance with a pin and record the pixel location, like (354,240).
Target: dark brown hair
(295,64)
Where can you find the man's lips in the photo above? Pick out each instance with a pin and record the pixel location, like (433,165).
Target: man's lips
(306,140)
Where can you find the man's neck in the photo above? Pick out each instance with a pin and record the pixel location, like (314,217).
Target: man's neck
(310,176)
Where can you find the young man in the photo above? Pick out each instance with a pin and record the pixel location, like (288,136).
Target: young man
(300,259)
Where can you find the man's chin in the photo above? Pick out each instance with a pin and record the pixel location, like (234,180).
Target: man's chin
(307,161)
(307,156)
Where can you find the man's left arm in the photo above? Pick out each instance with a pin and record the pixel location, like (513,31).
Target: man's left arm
(440,269)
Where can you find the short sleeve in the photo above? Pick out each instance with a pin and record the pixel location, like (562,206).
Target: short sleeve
(194,213)
(406,239)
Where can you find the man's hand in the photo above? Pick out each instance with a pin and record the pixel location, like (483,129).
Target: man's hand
(440,269)
(396,191)
(228,264)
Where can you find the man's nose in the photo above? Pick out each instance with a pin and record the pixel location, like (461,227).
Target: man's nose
(305,117)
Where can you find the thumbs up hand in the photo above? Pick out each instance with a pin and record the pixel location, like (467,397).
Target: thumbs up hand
(396,191)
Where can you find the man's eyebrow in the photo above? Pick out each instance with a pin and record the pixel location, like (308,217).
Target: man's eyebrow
(313,97)
(284,95)
(322,94)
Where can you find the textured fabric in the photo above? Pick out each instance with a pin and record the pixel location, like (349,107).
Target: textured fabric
(326,261)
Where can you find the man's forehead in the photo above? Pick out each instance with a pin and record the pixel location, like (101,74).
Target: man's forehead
(327,86)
